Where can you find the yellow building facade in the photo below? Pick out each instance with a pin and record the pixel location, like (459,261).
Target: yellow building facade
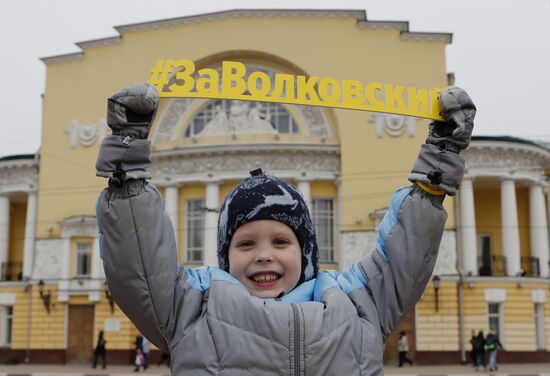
(492,269)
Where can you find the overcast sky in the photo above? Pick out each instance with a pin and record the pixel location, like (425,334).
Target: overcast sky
(500,51)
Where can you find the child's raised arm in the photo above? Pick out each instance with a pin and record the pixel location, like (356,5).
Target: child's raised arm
(408,240)
(137,241)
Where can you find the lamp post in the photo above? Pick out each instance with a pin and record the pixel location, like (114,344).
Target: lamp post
(109,297)
(437,283)
(46,297)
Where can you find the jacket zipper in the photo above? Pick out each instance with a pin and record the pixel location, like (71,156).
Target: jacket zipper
(296,338)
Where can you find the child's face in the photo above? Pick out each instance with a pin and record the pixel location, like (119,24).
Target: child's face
(266,258)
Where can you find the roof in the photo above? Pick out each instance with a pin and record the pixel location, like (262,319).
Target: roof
(359,15)
(541,144)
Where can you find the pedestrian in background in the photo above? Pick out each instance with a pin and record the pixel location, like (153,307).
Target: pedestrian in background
(140,359)
(100,350)
(403,348)
(492,344)
(479,349)
(146,347)
(473,352)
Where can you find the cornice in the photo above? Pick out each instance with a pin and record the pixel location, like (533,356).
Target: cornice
(227,162)
(18,175)
(63,58)
(242,13)
(99,42)
(359,15)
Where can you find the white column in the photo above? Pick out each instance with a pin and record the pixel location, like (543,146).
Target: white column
(4,231)
(97,265)
(304,186)
(171,199)
(30,231)
(510,230)
(211,223)
(468,227)
(538,227)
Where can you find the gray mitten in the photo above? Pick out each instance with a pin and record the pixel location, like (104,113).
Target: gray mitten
(125,154)
(439,164)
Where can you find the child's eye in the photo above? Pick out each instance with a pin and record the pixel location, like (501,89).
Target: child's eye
(281,241)
(245,244)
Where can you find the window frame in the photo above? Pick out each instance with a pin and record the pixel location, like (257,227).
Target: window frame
(332,218)
(197,215)
(499,316)
(78,253)
(540,330)
(6,325)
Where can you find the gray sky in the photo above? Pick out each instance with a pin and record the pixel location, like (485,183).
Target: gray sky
(500,52)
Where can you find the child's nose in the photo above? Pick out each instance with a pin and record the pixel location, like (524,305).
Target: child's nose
(264,256)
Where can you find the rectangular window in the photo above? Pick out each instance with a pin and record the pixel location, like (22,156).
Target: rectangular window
(194,230)
(495,319)
(83,259)
(323,219)
(6,321)
(539,326)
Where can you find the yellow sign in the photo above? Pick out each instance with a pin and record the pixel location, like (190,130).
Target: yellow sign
(177,78)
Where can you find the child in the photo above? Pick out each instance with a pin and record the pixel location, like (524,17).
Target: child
(267,310)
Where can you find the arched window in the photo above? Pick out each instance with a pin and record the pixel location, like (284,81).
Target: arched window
(223,116)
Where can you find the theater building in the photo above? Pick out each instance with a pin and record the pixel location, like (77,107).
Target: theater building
(493,266)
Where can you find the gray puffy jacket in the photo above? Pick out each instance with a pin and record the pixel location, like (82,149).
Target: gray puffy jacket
(334,324)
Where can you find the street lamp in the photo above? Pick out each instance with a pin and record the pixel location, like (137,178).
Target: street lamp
(46,298)
(109,297)
(437,283)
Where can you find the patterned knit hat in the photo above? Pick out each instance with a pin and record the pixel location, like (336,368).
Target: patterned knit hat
(263,196)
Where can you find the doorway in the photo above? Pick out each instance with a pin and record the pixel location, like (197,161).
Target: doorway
(80,340)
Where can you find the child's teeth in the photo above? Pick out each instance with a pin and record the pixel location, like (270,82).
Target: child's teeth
(265,278)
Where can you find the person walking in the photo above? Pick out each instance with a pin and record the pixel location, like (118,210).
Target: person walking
(140,359)
(100,350)
(479,349)
(146,348)
(403,348)
(492,344)
(473,352)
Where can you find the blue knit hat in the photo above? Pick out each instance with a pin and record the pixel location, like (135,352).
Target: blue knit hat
(263,196)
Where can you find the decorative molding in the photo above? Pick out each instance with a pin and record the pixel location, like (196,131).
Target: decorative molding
(538,296)
(384,25)
(18,175)
(180,164)
(48,258)
(237,13)
(359,15)
(99,42)
(7,298)
(446,38)
(498,158)
(495,295)
(63,58)
(86,135)
(85,226)
(393,125)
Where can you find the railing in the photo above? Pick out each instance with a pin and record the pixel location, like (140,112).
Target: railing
(11,271)
(530,266)
(497,268)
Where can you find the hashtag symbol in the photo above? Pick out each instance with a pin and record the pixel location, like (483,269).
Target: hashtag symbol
(160,72)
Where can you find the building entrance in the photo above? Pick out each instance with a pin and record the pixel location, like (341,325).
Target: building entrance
(80,340)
